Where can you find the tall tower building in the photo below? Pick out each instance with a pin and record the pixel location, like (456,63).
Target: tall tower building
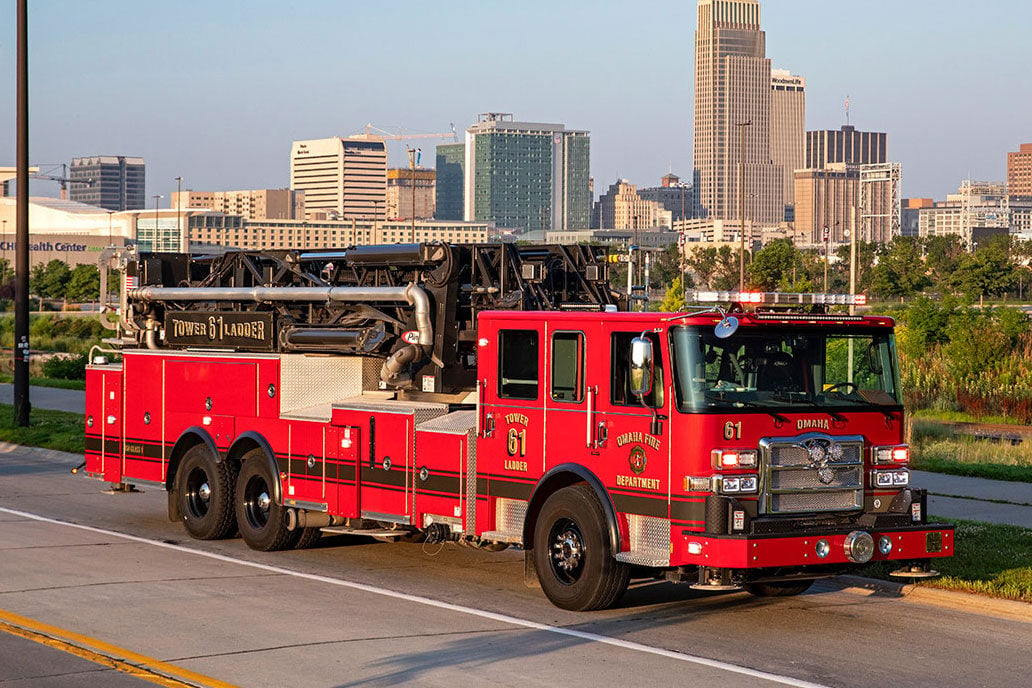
(451,157)
(788,126)
(343,179)
(114,182)
(527,175)
(845,145)
(732,101)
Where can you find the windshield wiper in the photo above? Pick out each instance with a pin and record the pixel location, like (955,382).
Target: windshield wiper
(834,414)
(769,411)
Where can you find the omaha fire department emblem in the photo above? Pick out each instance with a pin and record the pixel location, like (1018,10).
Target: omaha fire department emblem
(637,459)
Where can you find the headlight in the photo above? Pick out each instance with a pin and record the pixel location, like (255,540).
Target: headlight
(900,478)
(737,484)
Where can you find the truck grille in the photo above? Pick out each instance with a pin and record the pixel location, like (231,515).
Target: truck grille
(812,473)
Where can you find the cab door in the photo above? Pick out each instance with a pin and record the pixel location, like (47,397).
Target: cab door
(574,380)
(635,455)
(511,447)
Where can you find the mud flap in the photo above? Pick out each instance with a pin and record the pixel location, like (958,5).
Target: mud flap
(530,577)
(174,514)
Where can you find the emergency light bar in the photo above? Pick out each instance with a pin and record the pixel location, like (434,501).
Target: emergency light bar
(780,298)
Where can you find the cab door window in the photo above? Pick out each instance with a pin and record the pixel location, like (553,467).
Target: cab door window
(620,390)
(568,367)
(518,364)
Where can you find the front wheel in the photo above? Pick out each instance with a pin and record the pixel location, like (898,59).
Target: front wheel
(573,554)
(204,492)
(262,522)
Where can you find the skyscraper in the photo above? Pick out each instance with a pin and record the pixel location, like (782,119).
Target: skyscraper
(732,100)
(524,175)
(114,182)
(845,145)
(344,179)
(451,157)
(788,126)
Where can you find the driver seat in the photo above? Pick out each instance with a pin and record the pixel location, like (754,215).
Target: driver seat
(779,372)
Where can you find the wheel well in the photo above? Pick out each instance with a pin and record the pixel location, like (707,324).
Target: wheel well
(188,440)
(555,480)
(249,441)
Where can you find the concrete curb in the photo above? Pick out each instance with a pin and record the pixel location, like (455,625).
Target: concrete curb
(947,599)
(41,453)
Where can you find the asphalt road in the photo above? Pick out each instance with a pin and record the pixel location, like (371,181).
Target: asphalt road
(354,613)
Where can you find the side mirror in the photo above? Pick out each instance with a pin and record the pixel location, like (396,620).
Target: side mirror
(641,366)
(874,359)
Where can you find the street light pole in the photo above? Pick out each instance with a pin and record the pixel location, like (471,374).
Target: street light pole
(155,245)
(22,406)
(179,215)
(741,202)
(826,258)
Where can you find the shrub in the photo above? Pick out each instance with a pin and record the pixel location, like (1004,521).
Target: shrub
(66,367)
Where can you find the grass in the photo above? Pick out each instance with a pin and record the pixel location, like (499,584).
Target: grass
(50,429)
(48,382)
(993,560)
(961,417)
(936,448)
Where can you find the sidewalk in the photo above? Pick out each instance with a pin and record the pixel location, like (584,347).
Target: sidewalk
(950,496)
(71,400)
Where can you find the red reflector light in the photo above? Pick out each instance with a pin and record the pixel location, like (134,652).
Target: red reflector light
(860,299)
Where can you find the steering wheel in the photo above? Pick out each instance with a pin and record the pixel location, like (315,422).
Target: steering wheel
(853,388)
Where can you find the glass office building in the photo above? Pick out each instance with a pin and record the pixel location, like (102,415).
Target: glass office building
(526,176)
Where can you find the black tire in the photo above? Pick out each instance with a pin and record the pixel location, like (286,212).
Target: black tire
(309,536)
(204,494)
(573,554)
(262,522)
(779,589)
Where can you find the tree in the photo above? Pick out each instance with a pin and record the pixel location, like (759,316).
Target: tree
(674,301)
(941,255)
(51,280)
(84,284)
(988,272)
(775,266)
(866,252)
(900,270)
(667,265)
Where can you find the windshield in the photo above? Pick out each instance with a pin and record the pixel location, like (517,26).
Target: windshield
(781,368)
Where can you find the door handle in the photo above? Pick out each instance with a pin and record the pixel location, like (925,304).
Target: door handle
(603,433)
(489,425)
(591,417)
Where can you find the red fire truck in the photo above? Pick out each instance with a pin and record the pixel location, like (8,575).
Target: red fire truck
(501,396)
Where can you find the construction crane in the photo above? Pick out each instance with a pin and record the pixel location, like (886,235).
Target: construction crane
(63,179)
(384,134)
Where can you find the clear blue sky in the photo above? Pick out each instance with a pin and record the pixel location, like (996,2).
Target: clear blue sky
(216,90)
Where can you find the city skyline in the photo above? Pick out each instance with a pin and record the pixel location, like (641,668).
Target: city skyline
(195,93)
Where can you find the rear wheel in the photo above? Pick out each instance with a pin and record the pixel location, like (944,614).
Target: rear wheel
(204,493)
(262,522)
(779,589)
(309,536)
(573,554)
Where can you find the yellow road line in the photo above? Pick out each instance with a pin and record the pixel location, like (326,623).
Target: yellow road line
(106,654)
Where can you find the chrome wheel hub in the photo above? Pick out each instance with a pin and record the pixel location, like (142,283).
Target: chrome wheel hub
(567,550)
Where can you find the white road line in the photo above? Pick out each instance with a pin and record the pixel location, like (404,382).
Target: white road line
(502,618)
